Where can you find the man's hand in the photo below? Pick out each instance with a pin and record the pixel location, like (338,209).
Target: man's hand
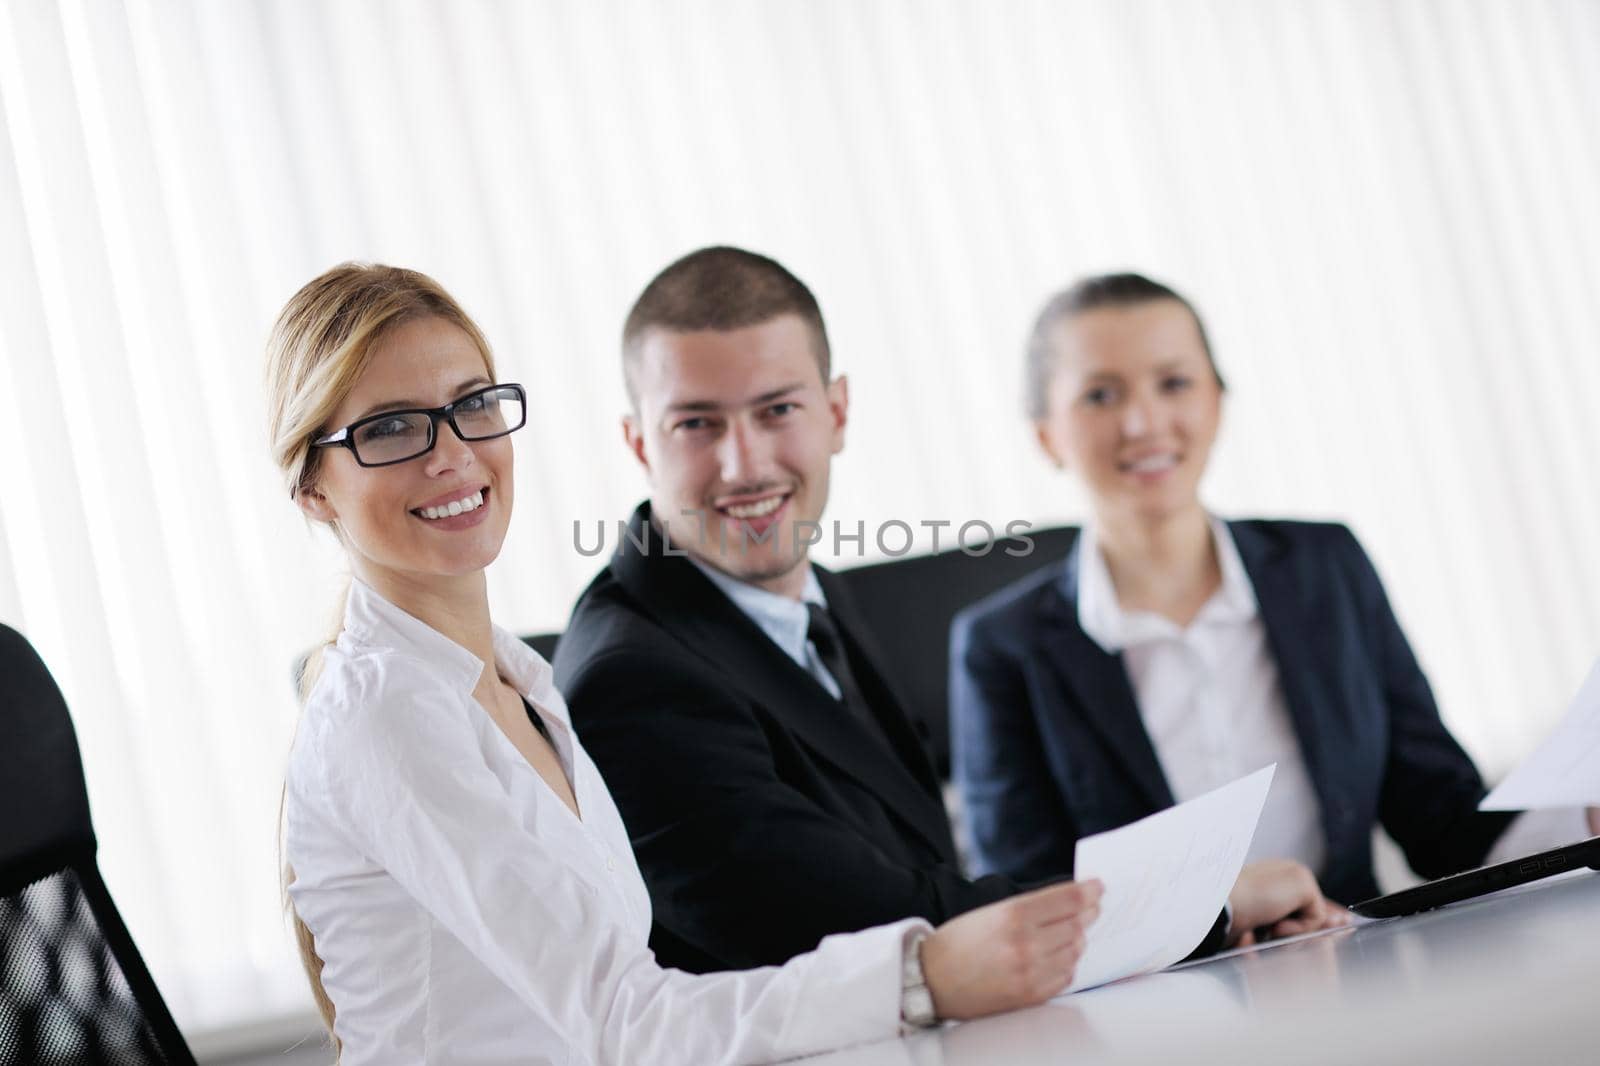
(1014,953)
(1280,898)
(1594,820)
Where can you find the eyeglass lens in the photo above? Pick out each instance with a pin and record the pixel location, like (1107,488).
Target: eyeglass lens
(405,434)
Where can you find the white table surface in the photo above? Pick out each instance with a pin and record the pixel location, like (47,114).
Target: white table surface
(1508,978)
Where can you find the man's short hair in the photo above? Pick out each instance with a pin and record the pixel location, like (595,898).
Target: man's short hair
(720,288)
(1087,294)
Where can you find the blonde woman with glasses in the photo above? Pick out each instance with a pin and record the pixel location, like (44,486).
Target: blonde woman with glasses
(462,885)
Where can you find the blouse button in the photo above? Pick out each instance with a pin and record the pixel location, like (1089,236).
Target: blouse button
(611,862)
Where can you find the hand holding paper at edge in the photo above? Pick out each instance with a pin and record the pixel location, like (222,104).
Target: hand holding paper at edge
(1564,771)
(1166,878)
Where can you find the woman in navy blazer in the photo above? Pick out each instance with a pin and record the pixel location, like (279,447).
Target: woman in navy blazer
(1170,648)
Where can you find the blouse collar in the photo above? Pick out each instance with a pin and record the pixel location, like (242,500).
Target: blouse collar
(1114,629)
(372,619)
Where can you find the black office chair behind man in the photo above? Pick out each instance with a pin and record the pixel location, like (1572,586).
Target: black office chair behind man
(73,989)
(908,605)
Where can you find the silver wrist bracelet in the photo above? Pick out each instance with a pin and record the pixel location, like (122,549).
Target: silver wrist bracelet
(916,1002)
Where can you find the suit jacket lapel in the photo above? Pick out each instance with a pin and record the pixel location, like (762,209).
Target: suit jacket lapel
(1098,683)
(689,606)
(1296,633)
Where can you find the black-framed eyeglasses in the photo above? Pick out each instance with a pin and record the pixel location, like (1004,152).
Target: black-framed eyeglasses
(395,436)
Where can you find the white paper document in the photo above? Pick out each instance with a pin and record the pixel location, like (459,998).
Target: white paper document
(1564,771)
(1166,879)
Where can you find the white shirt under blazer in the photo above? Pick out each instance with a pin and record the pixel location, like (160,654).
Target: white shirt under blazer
(465,916)
(1209,696)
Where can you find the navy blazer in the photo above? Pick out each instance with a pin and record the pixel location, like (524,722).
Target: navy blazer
(1049,745)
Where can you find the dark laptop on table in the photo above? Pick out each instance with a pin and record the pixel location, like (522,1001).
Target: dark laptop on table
(1483,880)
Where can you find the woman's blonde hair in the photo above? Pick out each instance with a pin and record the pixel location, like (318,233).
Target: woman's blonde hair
(320,346)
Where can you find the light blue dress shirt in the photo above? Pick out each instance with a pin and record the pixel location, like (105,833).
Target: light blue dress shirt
(785,622)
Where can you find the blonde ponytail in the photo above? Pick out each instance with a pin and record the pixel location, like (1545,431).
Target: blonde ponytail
(309,959)
(304,941)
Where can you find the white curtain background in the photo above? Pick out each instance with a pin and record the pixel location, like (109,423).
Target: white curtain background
(1388,212)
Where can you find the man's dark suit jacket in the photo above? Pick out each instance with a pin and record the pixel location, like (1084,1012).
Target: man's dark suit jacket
(763,815)
(1049,745)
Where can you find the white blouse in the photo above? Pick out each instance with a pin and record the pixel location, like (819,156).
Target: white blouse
(465,916)
(1210,697)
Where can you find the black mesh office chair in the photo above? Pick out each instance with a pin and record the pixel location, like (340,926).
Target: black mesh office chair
(73,989)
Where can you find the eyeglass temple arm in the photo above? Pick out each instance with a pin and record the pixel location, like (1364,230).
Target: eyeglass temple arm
(338,436)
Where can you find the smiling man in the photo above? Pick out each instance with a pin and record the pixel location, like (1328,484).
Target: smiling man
(773,786)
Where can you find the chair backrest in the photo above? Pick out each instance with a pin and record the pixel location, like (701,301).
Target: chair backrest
(73,989)
(908,605)
(544,644)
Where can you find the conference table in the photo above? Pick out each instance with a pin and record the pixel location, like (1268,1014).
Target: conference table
(1512,977)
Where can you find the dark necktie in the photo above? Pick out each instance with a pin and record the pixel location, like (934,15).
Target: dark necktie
(823,633)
